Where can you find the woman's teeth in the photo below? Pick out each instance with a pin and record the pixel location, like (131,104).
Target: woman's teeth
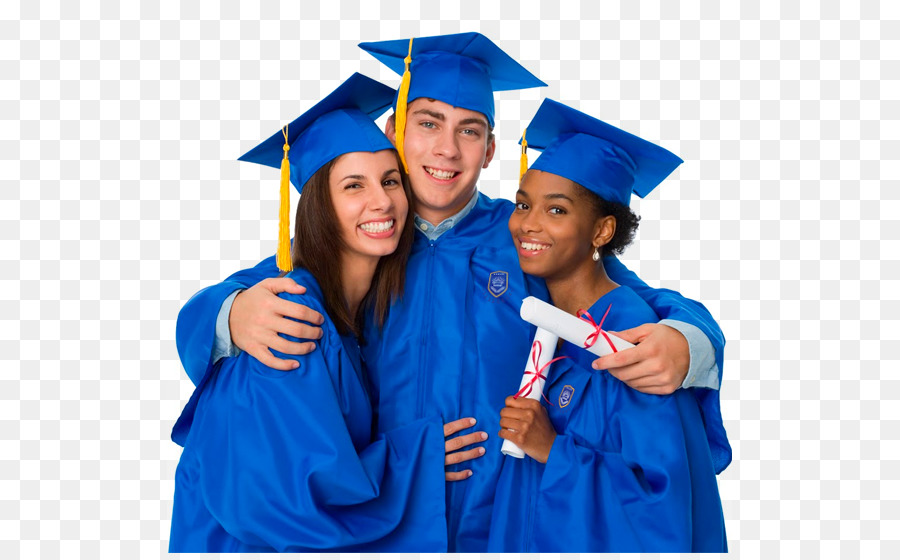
(533,246)
(439,174)
(377,227)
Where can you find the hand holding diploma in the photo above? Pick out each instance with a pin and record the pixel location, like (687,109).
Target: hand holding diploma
(532,385)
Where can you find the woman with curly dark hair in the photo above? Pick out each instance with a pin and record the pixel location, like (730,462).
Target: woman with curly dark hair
(608,468)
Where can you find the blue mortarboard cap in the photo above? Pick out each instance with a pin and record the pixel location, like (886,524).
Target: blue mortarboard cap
(341,123)
(598,156)
(462,69)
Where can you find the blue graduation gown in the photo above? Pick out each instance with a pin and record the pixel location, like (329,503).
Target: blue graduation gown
(454,345)
(628,472)
(286,461)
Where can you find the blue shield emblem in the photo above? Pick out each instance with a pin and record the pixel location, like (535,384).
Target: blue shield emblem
(498,282)
(565,396)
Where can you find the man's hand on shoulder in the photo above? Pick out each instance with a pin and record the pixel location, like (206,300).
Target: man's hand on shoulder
(258,315)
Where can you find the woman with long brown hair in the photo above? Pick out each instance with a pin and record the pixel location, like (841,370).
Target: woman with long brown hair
(286,461)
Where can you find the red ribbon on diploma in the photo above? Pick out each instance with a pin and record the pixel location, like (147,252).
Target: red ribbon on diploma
(538,373)
(598,329)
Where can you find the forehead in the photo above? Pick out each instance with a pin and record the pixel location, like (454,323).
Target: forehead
(542,183)
(364,163)
(447,111)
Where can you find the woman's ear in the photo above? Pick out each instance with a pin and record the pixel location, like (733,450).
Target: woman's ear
(604,230)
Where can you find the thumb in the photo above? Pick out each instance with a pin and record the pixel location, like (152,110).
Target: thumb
(636,334)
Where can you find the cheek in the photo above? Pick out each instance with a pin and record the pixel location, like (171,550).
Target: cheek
(401,204)
(514,222)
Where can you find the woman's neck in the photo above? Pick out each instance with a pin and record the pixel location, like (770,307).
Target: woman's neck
(357,272)
(580,289)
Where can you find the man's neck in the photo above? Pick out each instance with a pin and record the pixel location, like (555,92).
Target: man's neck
(436,216)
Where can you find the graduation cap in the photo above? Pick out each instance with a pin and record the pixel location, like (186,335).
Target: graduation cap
(341,123)
(604,159)
(463,70)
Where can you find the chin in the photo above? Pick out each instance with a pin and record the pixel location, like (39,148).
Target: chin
(532,268)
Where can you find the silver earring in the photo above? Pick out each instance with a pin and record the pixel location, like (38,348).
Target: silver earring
(596,256)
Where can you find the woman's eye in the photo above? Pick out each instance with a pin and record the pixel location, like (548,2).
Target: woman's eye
(390,183)
(521,206)
(352,186)
(557,210)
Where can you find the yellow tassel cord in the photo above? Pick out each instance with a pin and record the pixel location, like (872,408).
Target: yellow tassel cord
(283,256)
(523,159)
(400,117)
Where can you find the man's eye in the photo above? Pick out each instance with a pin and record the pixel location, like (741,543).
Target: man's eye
(557,210)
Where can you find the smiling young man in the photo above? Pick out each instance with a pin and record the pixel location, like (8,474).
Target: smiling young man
(454,342)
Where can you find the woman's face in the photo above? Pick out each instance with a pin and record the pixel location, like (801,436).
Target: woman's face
(554,228)
(369,202)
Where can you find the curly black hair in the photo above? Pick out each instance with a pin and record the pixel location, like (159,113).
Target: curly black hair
(626,221)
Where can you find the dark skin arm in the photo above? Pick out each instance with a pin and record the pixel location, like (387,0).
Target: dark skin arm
(525,422)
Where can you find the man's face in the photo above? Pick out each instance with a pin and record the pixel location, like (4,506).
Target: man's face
(445,148)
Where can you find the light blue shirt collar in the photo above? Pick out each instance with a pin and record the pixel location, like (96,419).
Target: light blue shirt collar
(432,232)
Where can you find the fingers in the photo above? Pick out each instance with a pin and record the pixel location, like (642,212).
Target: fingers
(636,334)
(647,378)
(451,428)
(460,456)
(463,441)
(298,330)
(621,358)
(454,457)
(263,354)
(278,285)
(520,404)
(451,476)
(286,346)
(297,311)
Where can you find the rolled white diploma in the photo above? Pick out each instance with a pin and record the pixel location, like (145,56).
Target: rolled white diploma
(547,347)
(567,327)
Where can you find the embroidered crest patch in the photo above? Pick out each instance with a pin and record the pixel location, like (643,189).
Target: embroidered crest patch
(565,396)
(498,282)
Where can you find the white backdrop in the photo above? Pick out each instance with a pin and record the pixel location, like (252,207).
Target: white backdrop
(121,196)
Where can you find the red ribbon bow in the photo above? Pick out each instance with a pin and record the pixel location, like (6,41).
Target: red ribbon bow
(598,329)
(538,373)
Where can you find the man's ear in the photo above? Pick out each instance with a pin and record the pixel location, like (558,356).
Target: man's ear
(489,154)
(390,131)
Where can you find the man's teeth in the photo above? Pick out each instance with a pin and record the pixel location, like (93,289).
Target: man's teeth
(438,174)
(377,227)
(533,246)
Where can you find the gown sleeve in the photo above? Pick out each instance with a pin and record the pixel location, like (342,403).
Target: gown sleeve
(632,491)
(195,329)
(669,304)
(280,466)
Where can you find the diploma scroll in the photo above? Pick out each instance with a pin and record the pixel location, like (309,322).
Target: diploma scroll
(568,327)
(542,350)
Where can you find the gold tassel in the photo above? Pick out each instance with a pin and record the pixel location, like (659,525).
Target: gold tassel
(400,117)
(523,159)
(283,256)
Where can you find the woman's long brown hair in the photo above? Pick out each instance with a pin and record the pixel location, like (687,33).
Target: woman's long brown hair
(318,245)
